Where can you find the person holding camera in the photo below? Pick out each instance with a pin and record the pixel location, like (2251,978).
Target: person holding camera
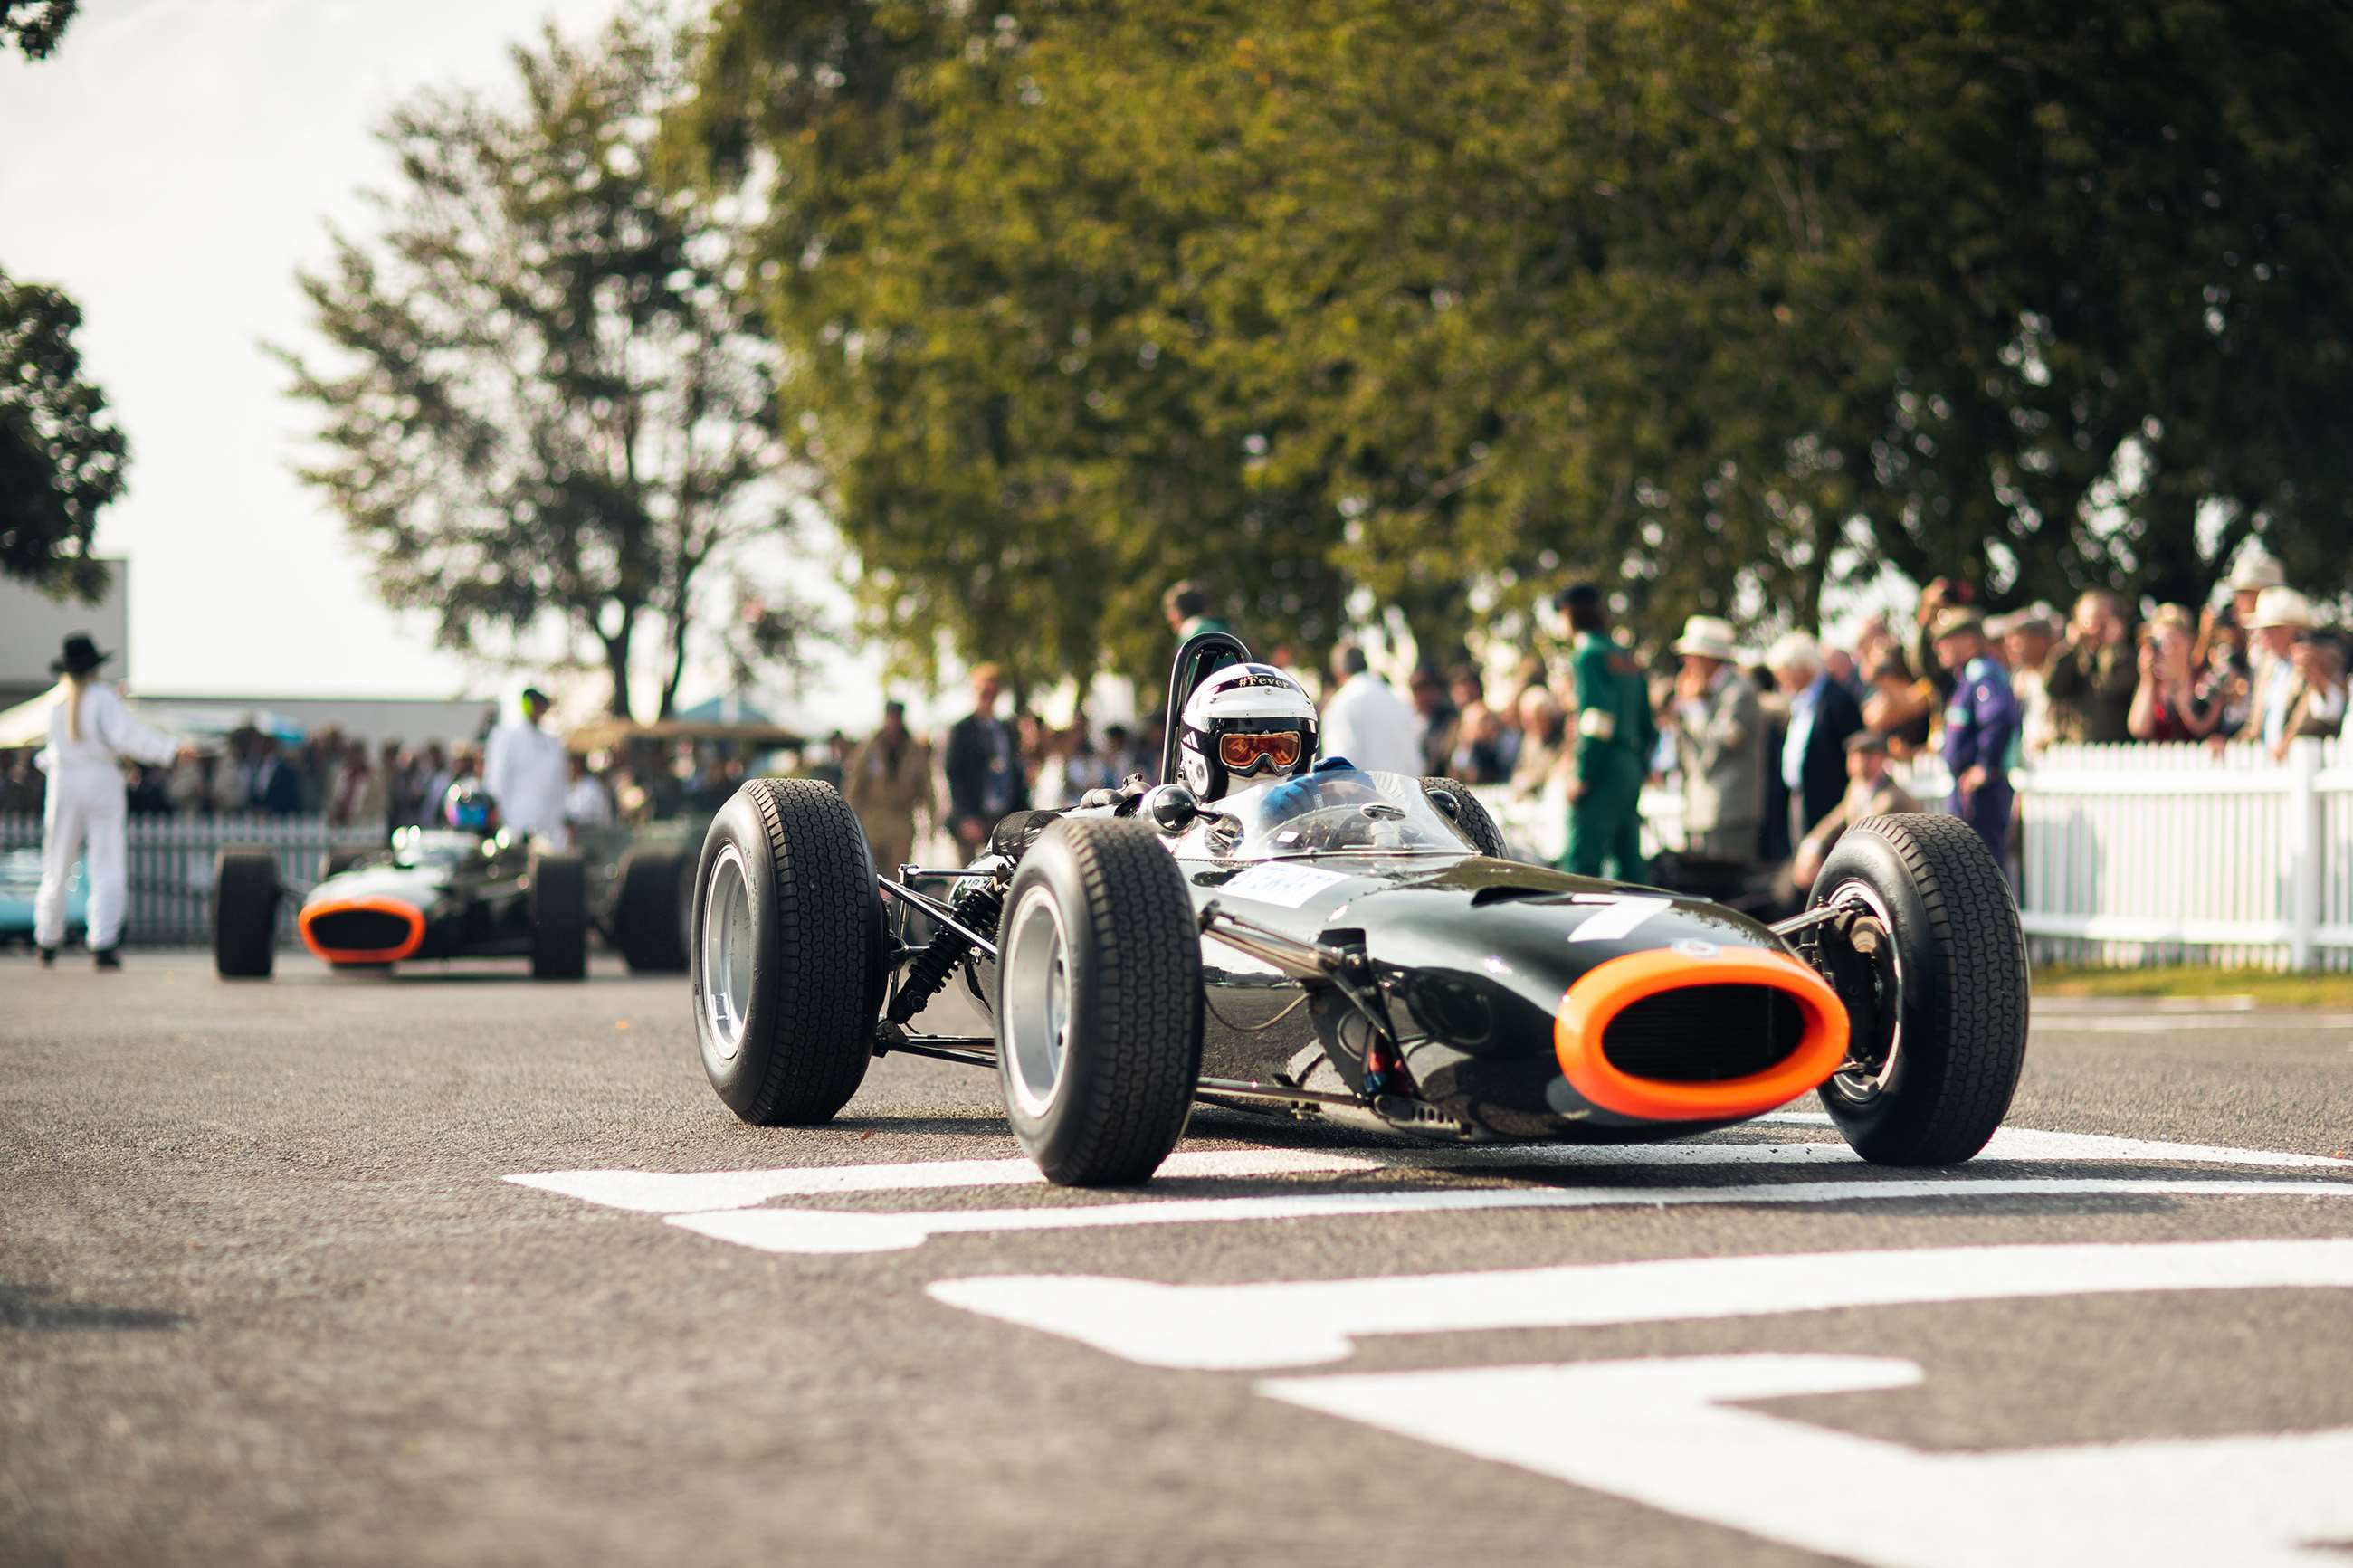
(2093,673)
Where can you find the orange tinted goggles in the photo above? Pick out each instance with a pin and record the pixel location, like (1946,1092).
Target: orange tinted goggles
(1243,752)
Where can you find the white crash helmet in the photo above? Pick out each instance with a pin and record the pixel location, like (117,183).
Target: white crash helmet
(1247,721)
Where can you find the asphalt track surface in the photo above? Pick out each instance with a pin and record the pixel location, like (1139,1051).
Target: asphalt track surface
(267,1295)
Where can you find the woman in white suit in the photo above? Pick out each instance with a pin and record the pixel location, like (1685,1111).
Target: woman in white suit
(91,732)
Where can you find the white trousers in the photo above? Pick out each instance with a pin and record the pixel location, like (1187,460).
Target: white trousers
(86,808)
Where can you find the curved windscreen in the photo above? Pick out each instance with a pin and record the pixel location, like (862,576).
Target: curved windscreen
(1342,811)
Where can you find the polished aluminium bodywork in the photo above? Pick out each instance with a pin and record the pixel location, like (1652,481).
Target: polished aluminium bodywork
(1361,960)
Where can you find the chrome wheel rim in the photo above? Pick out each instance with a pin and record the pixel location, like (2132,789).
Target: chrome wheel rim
(1861,1089)
(727,947)
(1037,1002)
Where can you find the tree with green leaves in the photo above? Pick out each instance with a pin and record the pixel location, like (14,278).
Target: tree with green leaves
(539,404)
(61,457)
(1435,303)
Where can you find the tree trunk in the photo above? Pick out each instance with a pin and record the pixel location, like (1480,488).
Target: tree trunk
(617,665)
(674,629)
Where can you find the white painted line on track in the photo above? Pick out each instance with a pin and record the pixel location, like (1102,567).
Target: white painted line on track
(1674,1433)
(660,1191)
(2178,1024)
(2237,1003)
(1301,1323)
(2032,1144)
(821,1231)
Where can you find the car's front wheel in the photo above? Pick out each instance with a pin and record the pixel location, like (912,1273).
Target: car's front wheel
(558,905)
(1098,1003)
(1930,1080)
(244,913)
(788,953)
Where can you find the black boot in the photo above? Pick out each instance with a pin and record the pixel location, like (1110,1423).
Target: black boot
(107,958)
(48,958)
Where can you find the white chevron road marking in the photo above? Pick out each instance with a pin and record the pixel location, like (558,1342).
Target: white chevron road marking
(660,1191)
(815,1231)
(1308,1322)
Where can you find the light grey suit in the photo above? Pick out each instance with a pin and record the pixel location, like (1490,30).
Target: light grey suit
(1721,749)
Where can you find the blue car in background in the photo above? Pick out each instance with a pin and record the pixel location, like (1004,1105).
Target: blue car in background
(20,879)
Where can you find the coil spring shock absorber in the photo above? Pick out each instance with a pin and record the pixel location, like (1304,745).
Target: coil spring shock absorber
(978,905)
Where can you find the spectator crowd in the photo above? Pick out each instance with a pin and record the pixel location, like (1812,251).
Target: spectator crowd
(1767,757)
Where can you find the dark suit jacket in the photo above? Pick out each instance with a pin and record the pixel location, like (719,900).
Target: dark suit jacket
(972,747)
(1823,775)
(277,789)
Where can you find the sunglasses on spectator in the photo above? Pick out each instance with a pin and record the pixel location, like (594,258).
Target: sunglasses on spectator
(1240,751)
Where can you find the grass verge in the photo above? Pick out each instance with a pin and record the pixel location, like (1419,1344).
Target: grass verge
(2268,989)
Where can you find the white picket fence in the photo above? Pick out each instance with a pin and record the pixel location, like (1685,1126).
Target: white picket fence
(2130,855)
(170,864)
(2127,855)
(2147,854)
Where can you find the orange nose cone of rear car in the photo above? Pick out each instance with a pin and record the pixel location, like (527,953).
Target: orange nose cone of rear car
(362,930)
(1670,1036)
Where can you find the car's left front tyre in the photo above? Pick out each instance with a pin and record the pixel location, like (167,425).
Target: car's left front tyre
(559,915)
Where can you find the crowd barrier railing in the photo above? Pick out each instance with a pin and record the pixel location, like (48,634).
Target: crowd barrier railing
(2128,855)
(2147,854)
(170,865)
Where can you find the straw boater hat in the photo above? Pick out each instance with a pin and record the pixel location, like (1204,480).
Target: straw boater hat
(2256,570)
(1952,622)
(2281,607)
(1708,636)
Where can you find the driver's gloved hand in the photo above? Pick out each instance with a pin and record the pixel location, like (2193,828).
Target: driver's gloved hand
(1121,797)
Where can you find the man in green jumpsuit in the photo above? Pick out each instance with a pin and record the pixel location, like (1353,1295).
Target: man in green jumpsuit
(1615,736)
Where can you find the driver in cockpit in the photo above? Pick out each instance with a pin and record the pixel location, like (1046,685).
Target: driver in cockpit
(1248,721)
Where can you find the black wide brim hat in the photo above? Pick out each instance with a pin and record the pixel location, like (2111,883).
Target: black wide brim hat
(80,656)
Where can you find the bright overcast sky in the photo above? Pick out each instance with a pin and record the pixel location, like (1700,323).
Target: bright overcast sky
(171,165)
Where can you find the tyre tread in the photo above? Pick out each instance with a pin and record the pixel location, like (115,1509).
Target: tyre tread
(1476,822)
(823,874)
(1149,1006)
(1979,987)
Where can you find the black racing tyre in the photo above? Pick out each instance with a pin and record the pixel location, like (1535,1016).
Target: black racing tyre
(559,915)
(1945,1083)
(648,925)
(244,913)
(788,953)
(1470,816)
(1098,1003)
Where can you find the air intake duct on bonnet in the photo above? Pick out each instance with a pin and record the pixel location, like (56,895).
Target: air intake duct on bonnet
(362,930)
(1672,1035)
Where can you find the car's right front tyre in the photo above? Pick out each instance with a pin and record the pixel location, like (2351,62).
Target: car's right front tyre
(788,953)
(1098,1003)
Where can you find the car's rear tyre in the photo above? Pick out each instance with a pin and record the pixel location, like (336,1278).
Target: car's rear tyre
(1938,1090)
(1098,1003)
(788,953)
(559,915)
(244,913)
(647,926)
(1469,815)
